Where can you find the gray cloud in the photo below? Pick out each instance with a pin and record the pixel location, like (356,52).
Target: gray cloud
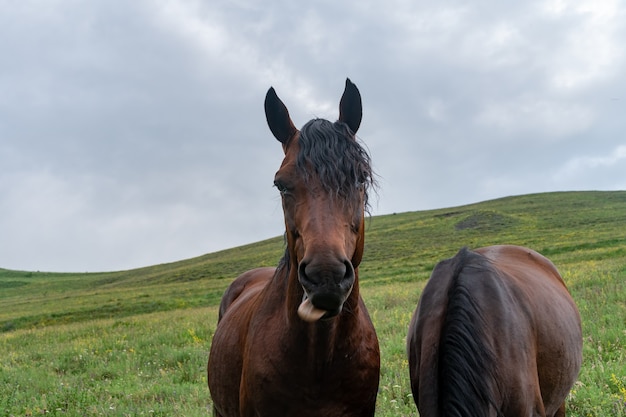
(134,134)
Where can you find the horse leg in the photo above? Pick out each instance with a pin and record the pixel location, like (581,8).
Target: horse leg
(561,411)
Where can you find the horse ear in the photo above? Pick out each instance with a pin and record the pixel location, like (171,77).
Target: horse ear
(350,107)
(278,118)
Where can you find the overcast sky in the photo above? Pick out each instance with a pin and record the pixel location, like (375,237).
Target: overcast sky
(132,133)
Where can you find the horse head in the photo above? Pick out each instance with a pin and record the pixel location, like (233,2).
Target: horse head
(323,181)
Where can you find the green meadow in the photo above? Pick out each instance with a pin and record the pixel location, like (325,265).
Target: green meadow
(135,343)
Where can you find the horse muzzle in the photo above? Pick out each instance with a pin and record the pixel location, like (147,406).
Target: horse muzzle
(326,288)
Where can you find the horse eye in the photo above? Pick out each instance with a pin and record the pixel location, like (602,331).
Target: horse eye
(280,186)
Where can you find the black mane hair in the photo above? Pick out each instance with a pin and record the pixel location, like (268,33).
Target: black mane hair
(341,163)
(466,362)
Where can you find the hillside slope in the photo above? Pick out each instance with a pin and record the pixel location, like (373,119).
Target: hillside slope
(565,226)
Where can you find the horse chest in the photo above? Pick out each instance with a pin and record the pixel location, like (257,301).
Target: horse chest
(294,377)
(317,366)
(302,393)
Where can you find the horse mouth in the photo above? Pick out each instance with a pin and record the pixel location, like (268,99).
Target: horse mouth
(308,312)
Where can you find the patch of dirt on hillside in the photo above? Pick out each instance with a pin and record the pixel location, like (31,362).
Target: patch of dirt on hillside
(485,220)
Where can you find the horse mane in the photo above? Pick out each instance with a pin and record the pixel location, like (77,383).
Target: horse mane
(466,362)
(285,262)
(341,163)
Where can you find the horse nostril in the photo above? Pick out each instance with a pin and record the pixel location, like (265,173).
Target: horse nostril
(349,274)
(302,272)
(340,273)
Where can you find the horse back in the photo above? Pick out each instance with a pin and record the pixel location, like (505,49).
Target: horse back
(524,265)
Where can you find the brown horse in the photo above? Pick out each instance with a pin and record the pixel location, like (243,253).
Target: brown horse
(297,340)
(495,333)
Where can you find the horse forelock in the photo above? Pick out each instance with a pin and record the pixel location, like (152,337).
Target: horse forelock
(331,152)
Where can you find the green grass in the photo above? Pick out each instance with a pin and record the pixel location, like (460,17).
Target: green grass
(134,343)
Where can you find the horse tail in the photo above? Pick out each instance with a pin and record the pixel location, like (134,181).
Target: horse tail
(466,361)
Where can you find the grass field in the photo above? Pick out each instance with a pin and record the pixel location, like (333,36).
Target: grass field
(135,343)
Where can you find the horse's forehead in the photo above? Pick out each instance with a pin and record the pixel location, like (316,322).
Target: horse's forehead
(291,150)
(290,164)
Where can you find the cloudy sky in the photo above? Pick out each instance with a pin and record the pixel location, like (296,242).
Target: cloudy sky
(132,132)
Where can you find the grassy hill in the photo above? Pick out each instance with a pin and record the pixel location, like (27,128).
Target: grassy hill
(133,341)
